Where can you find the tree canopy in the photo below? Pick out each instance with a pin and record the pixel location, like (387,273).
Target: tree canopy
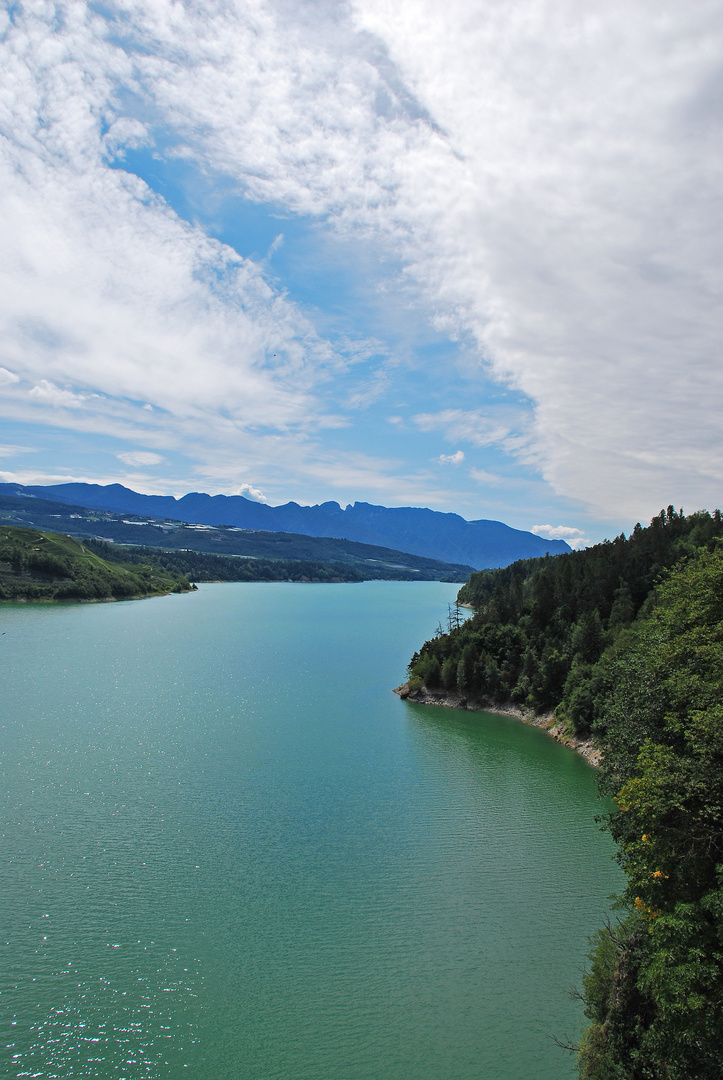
(654,994)
(541,626)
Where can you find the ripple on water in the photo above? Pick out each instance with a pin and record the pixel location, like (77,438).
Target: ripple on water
(230,851)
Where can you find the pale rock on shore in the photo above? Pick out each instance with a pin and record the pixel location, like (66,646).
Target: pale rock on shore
(585,747)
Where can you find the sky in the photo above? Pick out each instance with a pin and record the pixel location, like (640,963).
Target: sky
(461,255)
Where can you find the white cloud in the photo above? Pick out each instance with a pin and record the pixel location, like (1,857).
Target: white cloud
(386,478)
(44,477)
(579,236)
(275,244)
(574,537)
(109,304)
(125,134)
(139,458)
(57,396)
(556,532)
(452,459)
(13,451)
(251,493)
(471,426)
(370,390)
(563,207)
(550,179)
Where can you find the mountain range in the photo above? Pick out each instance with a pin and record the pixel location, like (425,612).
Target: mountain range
(482,544)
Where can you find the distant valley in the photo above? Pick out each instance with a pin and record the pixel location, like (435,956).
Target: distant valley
(222,553)
(429,534)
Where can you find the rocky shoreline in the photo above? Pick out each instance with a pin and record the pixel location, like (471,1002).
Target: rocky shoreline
(585,747)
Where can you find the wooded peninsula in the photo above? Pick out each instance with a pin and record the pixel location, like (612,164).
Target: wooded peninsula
(624,642)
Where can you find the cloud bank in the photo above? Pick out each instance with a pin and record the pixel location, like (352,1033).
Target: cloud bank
(547,178)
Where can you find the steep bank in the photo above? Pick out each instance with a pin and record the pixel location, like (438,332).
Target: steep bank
(449,700)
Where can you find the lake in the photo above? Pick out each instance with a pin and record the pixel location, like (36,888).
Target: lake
(230,852)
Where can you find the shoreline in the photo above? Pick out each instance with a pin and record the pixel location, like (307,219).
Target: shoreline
(585,747)
(88,599)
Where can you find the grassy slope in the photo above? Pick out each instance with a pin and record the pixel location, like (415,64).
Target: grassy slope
(38,565)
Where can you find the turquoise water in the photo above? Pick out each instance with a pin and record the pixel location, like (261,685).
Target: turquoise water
(230,852)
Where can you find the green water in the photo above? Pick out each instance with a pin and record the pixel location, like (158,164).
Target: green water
(229,852)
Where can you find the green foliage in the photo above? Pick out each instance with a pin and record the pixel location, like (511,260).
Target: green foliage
(613,1046)
(663,739)
(653,998)
(661,732)
(544,629)
(47,566)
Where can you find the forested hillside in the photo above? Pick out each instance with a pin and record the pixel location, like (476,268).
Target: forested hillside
(625,640)
(38,565)
(654,992)
(541,626)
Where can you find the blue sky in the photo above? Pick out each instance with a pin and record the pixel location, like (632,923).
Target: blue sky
(463,256)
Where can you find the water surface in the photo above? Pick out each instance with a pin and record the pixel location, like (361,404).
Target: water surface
(229,851)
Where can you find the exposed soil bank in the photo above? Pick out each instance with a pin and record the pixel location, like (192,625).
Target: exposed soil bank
(585,747)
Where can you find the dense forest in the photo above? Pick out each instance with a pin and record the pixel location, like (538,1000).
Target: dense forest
(654,991)
(37,565)
(542,626)
(625,641)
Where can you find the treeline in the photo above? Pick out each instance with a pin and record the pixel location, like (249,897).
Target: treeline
(541,626)
(47,566)
(201,566)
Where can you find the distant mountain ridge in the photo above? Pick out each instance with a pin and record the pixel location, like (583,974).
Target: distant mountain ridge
(419,531)
(225,552)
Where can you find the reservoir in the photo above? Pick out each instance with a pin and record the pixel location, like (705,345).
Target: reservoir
(230,852)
